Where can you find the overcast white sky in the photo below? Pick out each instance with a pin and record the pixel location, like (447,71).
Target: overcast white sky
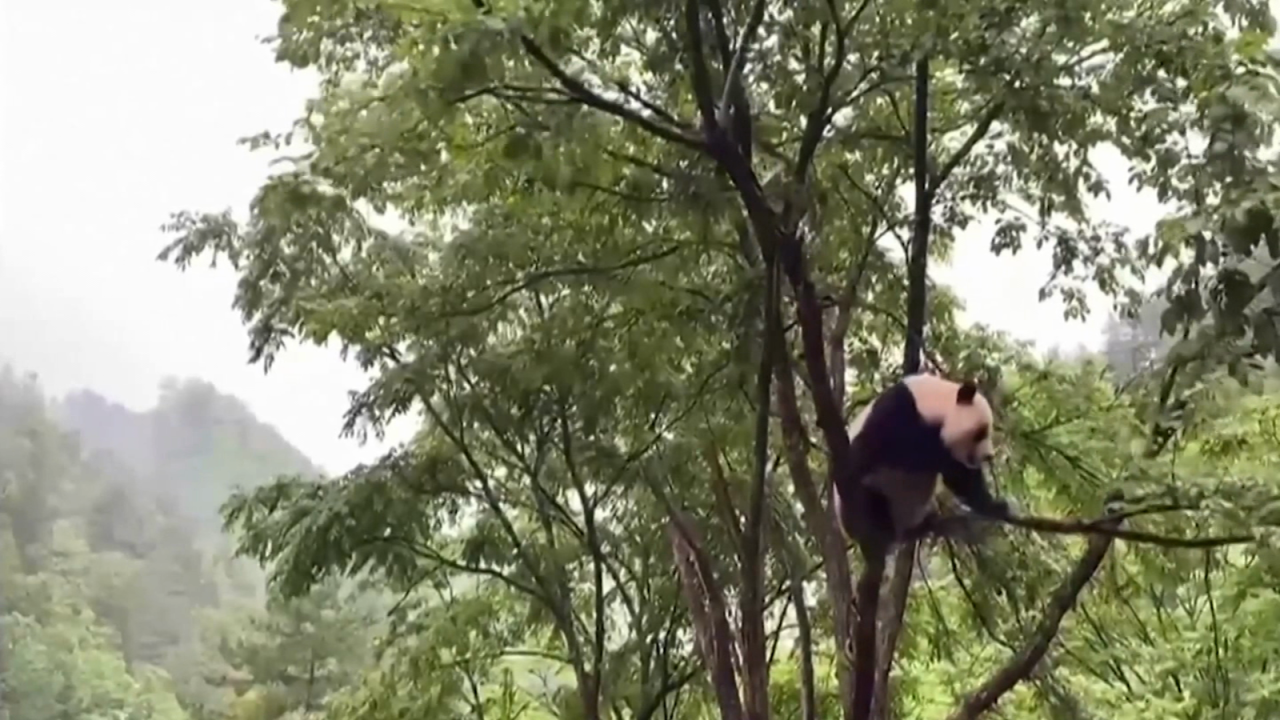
(116,114)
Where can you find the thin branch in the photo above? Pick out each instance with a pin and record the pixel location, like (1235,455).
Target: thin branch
(534,278)
(598,562)
(819,519)
(794,556)
(1019,667)
(587,96)
(720,492)
(756,669)
(820,115)
(1104,527)
(980,131)
(948,525)
(844,317)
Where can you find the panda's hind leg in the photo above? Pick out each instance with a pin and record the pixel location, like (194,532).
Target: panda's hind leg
(879,517)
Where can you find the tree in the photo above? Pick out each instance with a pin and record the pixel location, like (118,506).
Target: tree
(633,229)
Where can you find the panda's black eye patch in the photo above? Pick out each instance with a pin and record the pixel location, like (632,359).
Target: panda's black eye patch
(981,434)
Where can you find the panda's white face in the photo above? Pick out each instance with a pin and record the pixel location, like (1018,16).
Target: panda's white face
(966,432)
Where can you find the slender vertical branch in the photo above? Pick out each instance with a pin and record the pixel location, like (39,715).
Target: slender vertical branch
(918,261)
(797,569)
(755,664)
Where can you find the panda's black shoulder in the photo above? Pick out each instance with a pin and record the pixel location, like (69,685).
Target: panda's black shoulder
(894,414)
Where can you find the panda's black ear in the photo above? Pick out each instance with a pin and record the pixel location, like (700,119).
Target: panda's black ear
(966,393)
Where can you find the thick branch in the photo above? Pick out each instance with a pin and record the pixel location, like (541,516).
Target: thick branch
(1019,666)
(864,641)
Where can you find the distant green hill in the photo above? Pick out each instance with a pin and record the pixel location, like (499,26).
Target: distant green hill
(190,450)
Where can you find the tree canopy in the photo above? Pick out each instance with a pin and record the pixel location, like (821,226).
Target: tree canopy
(635,265)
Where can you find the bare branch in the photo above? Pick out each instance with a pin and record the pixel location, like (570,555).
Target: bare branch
(1019,667)
(722,34)
(918,260)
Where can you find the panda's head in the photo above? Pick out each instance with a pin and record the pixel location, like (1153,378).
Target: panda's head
(962,414)
(966,430)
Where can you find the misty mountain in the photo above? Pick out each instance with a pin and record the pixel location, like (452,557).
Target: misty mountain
(189,451)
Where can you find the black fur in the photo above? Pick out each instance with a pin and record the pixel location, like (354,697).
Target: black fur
(895,435)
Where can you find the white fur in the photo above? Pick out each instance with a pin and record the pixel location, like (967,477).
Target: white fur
(936,401)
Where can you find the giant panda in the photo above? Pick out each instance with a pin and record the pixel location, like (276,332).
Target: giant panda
(922,427)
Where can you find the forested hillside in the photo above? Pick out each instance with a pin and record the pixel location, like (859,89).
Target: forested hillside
(115,604)
(191,448)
